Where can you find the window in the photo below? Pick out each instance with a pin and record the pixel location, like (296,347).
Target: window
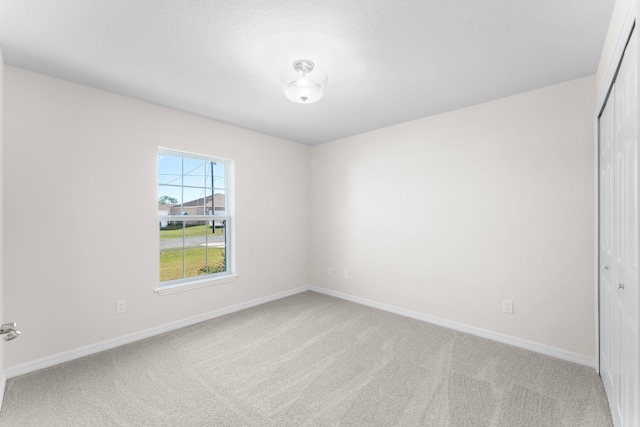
(194,218)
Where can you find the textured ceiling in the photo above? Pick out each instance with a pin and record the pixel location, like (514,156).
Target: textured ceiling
(388,61)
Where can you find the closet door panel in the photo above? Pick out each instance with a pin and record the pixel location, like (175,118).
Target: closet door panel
(606,178)
(626,234)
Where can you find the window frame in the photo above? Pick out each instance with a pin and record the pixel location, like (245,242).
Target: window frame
(196,282)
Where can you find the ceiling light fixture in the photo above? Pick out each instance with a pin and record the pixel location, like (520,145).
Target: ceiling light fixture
(304,83)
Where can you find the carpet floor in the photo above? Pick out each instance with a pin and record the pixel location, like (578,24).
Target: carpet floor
(310,360)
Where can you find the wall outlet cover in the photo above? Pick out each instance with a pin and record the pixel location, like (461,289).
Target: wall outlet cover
(507,306)
(121,306)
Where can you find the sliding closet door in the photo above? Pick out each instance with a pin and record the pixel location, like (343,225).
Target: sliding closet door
(619,298)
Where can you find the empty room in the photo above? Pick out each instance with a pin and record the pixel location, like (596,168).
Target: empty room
(319,213)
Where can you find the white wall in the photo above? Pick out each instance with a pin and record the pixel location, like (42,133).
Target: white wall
(620,11)
(482,204)
(450,214)
(81,223)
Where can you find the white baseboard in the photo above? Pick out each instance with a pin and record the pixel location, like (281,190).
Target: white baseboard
(558,353)
(67,356)
(3,384)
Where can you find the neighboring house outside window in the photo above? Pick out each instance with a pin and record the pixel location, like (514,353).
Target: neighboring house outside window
(194,218)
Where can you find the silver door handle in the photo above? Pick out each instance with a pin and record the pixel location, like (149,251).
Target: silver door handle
(10,330)
(620,285)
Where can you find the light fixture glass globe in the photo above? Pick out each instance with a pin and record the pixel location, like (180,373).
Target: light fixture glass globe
(304,83)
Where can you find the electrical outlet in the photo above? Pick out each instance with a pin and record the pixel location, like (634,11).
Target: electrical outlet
(329,271)
(121,306)
(346,274)
(507,306)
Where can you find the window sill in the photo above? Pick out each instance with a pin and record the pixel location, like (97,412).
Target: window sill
(196,284)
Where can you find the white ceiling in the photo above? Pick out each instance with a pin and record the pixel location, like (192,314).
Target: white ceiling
(388,61)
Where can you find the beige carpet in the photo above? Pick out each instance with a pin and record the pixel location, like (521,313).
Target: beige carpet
(310,360)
